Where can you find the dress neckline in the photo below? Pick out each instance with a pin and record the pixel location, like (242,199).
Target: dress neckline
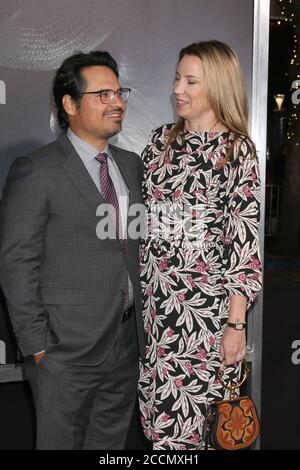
(206,133)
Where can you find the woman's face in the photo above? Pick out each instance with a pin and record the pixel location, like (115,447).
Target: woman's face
(189,88)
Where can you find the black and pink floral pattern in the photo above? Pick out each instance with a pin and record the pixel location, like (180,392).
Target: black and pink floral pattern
(187,281)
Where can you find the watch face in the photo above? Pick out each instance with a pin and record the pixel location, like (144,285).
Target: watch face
(239,326)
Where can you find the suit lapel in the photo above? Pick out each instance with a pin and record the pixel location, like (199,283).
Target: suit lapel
(78,173)
(80,176)
(135,197)
(122,163)
(124,167)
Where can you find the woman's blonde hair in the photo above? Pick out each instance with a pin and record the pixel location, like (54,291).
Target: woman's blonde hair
(225,87)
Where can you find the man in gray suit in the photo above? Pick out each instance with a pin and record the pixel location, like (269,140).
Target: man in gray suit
(72,288)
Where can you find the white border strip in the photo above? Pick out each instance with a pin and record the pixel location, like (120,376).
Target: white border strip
(259,110)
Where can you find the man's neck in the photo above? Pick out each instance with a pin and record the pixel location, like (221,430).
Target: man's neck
(99,144)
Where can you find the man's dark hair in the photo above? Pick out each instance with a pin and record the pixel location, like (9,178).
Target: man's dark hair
(69,81)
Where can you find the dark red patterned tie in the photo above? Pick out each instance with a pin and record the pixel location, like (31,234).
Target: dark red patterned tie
(108,190)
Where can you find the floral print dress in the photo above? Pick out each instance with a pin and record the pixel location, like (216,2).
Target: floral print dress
(202,247)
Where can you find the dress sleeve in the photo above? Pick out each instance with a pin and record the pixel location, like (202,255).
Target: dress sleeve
(243,273)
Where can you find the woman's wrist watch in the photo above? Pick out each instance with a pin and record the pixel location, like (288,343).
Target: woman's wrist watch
(238,325)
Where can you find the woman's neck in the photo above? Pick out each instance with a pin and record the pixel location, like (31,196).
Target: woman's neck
(205,125)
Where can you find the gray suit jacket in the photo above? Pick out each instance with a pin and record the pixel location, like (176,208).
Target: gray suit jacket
(63,285)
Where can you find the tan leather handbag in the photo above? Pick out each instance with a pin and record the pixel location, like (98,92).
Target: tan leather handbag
(231,424)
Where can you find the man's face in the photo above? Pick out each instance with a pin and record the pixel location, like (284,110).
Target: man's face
(92,120)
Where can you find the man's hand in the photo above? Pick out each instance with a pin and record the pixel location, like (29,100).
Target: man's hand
(38,357)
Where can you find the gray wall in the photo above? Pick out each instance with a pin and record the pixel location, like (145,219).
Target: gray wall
(145,38)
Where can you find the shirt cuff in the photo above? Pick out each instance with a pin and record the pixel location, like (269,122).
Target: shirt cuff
(36,354)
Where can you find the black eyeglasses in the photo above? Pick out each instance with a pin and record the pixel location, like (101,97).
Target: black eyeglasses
(107,96)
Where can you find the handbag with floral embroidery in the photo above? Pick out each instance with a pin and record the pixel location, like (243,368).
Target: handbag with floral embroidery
(231,424)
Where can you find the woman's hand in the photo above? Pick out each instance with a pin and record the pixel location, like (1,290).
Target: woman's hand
(233,345)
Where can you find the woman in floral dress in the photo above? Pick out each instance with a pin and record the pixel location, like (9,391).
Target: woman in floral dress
(200,258)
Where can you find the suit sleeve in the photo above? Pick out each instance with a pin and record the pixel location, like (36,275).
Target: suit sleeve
(23,218)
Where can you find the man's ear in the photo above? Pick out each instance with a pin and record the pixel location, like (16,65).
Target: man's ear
(69,105)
